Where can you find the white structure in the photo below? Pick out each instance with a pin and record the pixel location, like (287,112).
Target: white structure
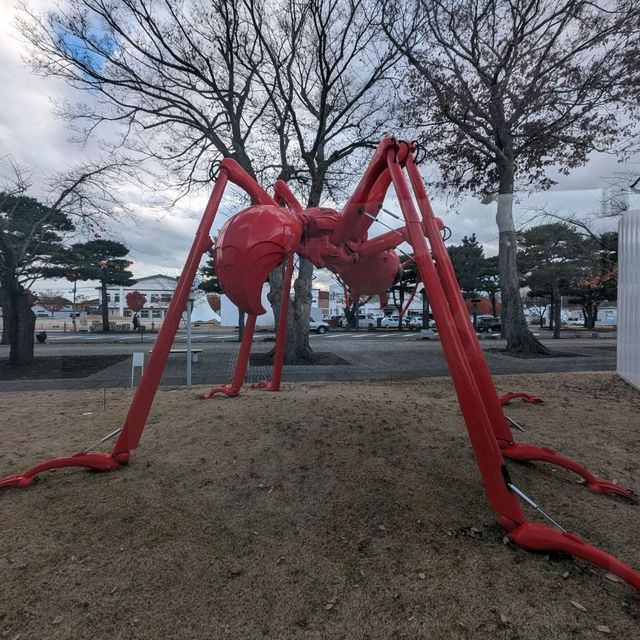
(229,311)
(629,298)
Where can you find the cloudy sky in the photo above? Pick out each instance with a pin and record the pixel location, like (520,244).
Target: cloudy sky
(32,136)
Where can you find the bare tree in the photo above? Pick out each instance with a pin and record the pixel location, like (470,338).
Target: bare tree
(52,301)
(289,90)
(176,76)
(332,88)
(505,89)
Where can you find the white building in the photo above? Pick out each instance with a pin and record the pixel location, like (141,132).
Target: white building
(158,291)
(336,303)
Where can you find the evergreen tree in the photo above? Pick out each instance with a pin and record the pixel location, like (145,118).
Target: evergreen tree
(597,281)
(489,281)
(101,260)
(31,236)
(468,263)
(550,256)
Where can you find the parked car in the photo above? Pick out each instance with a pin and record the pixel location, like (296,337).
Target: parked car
(490,324)
(391,322)
(333,321)
(365,321)
(318,326)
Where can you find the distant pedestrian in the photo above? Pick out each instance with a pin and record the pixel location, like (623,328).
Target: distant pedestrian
(135,322)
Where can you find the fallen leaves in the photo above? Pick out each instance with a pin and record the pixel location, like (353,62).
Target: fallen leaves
(331,603)
(234,568)
(578,606)
(602,628)
(57,620)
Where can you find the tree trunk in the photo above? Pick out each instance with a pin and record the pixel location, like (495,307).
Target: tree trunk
(21,326)
(241,315)
(297,347)
(514,324)
(298,340)
(494,305)
(105,307)
(5,320)
(276,280)
(557,311)
(552,313)
(400,309)
(588,311)
(425,310)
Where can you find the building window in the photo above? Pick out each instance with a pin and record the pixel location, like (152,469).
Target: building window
(127,313)
(157,313)
(116,297)
(155,297)
(108,297)
(165,297)
(144,313)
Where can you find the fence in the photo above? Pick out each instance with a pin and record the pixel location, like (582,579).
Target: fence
(629,298)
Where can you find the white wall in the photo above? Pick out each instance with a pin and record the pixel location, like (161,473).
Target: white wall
(229,312)
(629,298)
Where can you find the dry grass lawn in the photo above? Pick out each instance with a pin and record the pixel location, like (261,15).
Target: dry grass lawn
(327,511)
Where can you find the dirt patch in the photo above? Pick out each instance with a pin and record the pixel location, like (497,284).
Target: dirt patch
(316,357)
(56,367)
(347,510)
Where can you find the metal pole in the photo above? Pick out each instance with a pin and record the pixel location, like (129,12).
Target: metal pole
(189,310)
(532,504)
(73,307)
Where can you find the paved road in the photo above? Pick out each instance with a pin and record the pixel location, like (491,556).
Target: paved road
(368,356)
(231,335)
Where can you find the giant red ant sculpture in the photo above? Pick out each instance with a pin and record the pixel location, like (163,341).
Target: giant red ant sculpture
(269,233)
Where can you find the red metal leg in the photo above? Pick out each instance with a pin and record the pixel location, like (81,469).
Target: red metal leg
(480,370)
(530,536)
(233,389)
(539,537)
(145,393)
(528,452)
(505,398)
(95,460)
(281,337)
(488,456)
(473,351)
(141,403)
(138,412)
(283,194)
